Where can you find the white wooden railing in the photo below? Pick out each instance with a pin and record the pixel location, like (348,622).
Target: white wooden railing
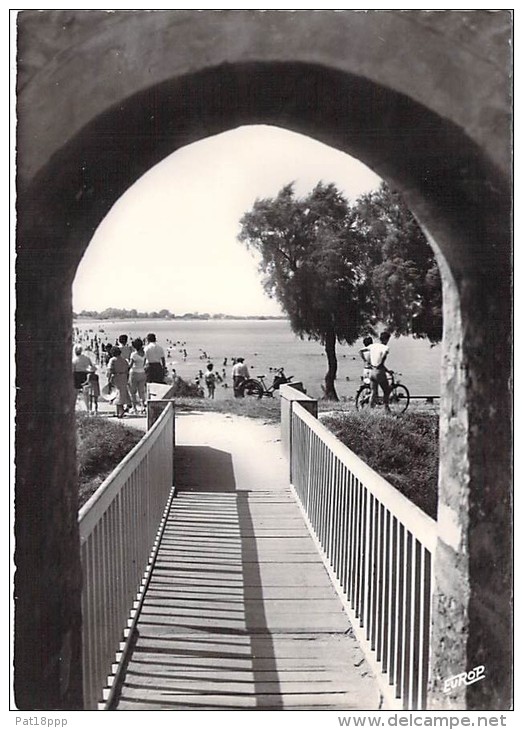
(118,526)
(378,547)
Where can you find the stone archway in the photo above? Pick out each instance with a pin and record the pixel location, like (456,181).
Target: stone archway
(111,95)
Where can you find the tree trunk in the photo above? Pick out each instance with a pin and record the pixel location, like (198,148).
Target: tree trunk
(330,349)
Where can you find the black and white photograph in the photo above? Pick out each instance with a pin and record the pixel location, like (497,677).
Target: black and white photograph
(262,314)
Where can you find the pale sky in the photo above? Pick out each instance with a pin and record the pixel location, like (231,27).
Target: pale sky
(170,242)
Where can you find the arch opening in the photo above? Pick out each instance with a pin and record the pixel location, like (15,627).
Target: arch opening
(187,210)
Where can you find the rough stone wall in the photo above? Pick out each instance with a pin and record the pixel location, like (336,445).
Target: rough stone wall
(473,581)
(422,98)
(455,63)
(48,577)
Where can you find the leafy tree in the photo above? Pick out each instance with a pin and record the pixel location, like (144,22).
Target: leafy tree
(405,277)
(338,269)
(312,258)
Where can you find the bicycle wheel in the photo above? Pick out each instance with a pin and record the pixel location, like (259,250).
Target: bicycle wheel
(363,397)
(251,389)
(399,399)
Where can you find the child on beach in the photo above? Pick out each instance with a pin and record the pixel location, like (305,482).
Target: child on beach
(365,356)
(210,380)
(91,391)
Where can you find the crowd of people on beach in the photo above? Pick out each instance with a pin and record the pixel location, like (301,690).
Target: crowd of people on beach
(130,364)
(128,367)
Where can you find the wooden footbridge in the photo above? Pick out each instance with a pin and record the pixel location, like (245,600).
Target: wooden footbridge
(253,594)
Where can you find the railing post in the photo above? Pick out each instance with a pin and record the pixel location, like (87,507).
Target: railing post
(288,396)
(155,409)
(158,396)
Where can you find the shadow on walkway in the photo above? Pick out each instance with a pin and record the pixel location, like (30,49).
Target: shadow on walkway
(202,632)
(202,468)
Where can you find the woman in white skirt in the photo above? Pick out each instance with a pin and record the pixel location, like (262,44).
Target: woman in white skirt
(137,377)
(117,373)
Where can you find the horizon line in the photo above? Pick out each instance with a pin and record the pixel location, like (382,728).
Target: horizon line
(187,315)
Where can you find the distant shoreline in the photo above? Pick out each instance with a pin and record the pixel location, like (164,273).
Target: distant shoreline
(183,318)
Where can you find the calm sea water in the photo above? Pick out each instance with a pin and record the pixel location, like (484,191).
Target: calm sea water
(269,344)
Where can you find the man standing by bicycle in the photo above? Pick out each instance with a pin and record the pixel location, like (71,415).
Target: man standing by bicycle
(240,372)
(378,352)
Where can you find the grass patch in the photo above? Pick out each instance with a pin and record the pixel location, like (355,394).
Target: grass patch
(100,446)
(183,388)
(267,409)
(403,450)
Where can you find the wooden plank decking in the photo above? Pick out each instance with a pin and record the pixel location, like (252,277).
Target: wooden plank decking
(240,612)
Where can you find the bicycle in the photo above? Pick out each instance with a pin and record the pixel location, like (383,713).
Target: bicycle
(399,396)
(256,387)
